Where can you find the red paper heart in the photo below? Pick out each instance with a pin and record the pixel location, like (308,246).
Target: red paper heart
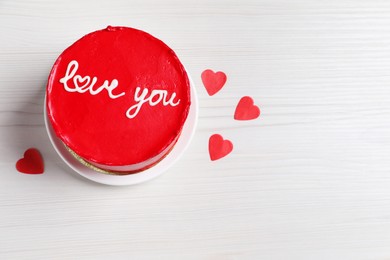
(246,110)
(213,81)
(31,163)
(218,147)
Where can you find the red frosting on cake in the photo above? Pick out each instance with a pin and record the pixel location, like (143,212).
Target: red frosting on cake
(94,94)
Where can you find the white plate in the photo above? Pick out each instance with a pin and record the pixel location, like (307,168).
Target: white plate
(179,148)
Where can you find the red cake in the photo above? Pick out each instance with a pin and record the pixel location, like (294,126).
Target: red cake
(118,99)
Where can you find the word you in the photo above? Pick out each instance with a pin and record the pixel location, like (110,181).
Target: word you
(87,84)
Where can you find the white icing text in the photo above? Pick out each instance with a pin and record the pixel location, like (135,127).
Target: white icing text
(155,97)
(86,84)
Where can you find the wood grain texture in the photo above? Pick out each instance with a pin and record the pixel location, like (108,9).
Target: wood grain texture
(310,179)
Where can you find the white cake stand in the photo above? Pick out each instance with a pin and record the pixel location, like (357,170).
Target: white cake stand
(118,180)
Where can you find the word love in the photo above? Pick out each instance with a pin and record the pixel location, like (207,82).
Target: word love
(87,84)
(84,84)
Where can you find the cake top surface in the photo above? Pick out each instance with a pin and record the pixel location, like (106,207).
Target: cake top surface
(118,96)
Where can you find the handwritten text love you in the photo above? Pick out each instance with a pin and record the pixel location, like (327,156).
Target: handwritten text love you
(87,84)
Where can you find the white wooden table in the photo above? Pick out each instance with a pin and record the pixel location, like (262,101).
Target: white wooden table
(310,179)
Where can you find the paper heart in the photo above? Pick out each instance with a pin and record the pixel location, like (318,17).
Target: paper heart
(213,81)
(246,110)
(31,163)
(79,80)
(218,147)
